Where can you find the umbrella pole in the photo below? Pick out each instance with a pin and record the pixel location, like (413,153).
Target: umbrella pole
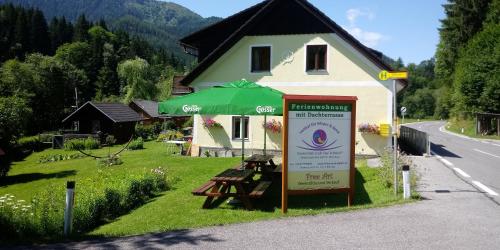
(242,124)
(265,132)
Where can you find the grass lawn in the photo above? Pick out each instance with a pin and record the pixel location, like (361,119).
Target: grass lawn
(177,208)
(456,126)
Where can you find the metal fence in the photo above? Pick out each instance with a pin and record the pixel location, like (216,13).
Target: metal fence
(414,141)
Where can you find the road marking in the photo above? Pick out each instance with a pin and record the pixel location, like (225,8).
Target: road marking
(446,162)
(443,160)
(484,188)
(486,153)
(461,172)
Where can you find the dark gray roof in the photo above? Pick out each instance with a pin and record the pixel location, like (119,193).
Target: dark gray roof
(117,112)
(150,107)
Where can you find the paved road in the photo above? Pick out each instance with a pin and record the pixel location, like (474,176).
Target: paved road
(452,215)
(476,161)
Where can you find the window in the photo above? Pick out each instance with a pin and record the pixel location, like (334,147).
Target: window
(316,57)
(237,127)
(261,59)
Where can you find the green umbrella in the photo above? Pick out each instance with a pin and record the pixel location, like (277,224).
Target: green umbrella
(233,98)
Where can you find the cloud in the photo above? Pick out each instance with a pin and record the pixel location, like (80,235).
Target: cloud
(368,38)
(353,14)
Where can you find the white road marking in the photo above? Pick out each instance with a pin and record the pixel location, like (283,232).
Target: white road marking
(461,172)
(446,162)
(486,153)
(484,188)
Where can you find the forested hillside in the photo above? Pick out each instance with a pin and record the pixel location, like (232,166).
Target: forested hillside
(46,70)
(464,77)
(160,23)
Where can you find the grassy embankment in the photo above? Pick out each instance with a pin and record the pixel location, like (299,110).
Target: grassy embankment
(178,208)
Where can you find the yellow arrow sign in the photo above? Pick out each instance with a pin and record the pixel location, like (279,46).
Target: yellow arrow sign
(385,75)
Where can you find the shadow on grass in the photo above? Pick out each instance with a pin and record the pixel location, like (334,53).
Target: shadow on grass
(25,178)
(361,197)
(272,198)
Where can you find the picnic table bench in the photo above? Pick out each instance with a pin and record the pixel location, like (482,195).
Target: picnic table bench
(220,187)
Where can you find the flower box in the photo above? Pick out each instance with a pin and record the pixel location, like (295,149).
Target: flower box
(273,126)
(211,123)
(369,128)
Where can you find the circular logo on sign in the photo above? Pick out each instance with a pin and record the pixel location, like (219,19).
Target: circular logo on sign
(319,137)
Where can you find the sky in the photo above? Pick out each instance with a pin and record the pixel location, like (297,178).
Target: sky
(398,28)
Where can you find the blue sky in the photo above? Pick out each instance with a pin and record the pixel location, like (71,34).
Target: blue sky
(398,28)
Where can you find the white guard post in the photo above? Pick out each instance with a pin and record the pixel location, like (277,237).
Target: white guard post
(406,182)
(68,212)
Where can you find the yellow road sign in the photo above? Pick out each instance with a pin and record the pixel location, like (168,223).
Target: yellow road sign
(385,75)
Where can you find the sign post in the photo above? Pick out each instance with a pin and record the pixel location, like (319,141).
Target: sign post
(384,76)
(318,146)
(403,112)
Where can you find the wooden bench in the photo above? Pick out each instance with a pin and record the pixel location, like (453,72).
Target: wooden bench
(204,188)
(259,190)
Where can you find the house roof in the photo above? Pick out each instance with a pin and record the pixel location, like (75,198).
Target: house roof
(215,40)
(178,88)
(117,112)
(149,107)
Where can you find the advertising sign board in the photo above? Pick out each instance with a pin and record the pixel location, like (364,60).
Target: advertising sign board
(318,145)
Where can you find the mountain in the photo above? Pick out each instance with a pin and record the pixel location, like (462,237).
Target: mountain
(160,23)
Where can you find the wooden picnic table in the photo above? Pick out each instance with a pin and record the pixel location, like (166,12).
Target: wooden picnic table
(220,187)
(258,161)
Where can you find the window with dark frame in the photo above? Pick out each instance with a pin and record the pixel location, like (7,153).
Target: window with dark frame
(237,127)
(261,59)
(316,57)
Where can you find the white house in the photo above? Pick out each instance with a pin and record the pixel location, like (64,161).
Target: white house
(293,47)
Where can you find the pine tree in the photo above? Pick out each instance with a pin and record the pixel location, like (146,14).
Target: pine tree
(21,36)
(464,18)
(39,34)
(81,29)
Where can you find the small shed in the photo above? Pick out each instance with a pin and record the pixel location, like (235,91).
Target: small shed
(148,110)
(103,119)
(487,124)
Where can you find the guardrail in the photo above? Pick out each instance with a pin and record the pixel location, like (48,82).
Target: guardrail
(414,141)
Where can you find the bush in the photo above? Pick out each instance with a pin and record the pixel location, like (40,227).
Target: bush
(59,157)
(110,140)
(91,143)
(42,218)
(136,144)
(74,144)
(81,144)
(188,123)
(109,161)
(169,125)
(386,172)
(4,167)
(170,135)
(146,132)
(31,143)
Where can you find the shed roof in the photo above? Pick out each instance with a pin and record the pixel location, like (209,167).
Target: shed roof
(149,107)
(117,112)
(218,38)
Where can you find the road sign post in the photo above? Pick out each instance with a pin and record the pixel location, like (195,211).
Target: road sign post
(384,76)
(403,112)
